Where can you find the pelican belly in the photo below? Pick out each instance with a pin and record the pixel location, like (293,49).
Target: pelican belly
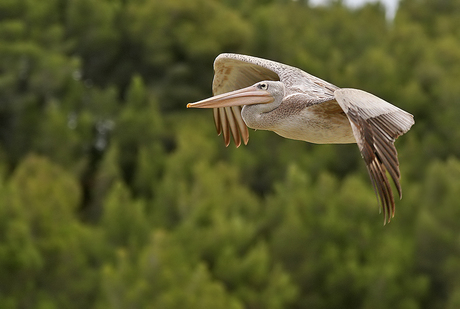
(315,124)
(316,128)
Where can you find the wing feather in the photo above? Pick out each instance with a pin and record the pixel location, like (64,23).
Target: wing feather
(217,121)
(376,124)
(236,110)
(224,125)
(233,126)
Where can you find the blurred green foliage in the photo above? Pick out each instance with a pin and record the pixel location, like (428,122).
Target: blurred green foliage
(113,195)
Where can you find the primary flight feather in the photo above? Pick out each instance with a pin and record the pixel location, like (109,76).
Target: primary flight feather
(267,95)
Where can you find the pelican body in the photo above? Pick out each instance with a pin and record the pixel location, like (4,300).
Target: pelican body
(267,95)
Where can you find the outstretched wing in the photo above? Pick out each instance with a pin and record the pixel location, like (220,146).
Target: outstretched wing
(234,71)
(376,124)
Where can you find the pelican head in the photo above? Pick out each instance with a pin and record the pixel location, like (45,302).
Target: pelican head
(263,96)
(257,100)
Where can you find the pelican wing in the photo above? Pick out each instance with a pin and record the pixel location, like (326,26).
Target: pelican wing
(376,124)
(234,71)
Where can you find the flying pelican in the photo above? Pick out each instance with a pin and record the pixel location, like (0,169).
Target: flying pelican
(267,95)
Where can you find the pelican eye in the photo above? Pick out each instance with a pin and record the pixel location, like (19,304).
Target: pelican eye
(262,86)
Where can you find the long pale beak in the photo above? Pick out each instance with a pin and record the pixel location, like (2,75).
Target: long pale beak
(245,96)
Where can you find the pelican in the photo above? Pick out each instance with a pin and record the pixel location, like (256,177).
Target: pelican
(267,95)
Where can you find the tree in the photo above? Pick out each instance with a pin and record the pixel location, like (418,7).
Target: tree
(46,255)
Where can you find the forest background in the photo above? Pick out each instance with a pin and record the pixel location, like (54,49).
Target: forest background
(113,195)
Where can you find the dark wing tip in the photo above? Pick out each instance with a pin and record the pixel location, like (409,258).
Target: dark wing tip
(382,188)
(376,124)
(376,136)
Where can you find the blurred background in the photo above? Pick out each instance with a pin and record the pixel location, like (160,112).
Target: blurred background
(114,195)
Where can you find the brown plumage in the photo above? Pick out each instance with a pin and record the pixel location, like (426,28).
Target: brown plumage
(267,95)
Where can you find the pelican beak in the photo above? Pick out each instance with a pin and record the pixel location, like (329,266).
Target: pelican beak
(246,96)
